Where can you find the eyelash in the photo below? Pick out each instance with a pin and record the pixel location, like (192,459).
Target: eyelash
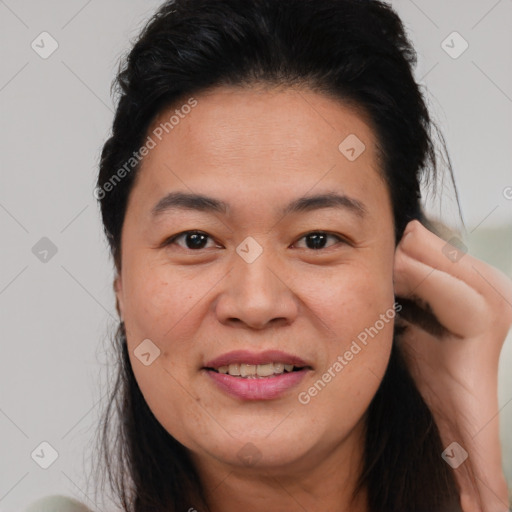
(171,240)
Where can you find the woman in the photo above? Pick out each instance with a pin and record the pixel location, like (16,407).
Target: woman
(260,365)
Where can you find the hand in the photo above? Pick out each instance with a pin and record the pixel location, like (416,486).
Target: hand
(452,350)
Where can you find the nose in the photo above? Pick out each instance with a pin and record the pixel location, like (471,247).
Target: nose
(257,294)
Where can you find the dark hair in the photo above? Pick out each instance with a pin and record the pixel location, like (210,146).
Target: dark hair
(357,52)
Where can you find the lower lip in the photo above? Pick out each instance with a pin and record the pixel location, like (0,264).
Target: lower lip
(265,388)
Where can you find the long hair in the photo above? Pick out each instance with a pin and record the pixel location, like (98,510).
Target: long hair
(355,51)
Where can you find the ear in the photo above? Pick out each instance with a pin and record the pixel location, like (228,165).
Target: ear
(118,288)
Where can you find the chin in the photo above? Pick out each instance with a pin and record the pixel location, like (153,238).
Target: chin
(261,457)
(262,452)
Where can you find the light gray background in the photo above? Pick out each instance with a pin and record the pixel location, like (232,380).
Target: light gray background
(56,317)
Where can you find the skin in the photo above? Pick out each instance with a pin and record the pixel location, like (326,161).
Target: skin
(457,372)
(257,150)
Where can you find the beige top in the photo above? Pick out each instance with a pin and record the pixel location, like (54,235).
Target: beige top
(57,503)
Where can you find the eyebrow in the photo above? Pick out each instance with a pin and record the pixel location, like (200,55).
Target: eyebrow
(200,202)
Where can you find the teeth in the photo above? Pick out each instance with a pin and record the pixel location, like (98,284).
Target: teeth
(265,370)
(234,369)
(279,367)
(255,371)
(247,369)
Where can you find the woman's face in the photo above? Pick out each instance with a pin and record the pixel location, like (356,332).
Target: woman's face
(259,277)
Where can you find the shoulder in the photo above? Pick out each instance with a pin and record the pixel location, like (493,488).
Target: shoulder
(57,503)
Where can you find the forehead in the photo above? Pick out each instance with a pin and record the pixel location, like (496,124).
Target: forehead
(228,119)
(262,141)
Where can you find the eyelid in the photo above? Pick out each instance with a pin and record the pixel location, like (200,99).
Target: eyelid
(341,239)
(171,240)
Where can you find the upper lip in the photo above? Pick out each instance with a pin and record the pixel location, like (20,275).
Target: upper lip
(244,356)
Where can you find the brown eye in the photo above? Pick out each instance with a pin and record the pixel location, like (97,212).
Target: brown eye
(193,240)
(316,240)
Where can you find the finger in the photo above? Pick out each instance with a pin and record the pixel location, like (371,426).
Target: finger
(425,246)
(457,306)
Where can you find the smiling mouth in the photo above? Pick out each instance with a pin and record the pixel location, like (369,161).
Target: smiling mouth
(257,371)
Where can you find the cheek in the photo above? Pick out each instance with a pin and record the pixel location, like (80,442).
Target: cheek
(350,298)
(356,306)
(156,297)
(358,310)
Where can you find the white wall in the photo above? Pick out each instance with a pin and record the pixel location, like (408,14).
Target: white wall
(56,113)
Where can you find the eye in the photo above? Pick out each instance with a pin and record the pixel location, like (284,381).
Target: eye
(194,240)
(317,239)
